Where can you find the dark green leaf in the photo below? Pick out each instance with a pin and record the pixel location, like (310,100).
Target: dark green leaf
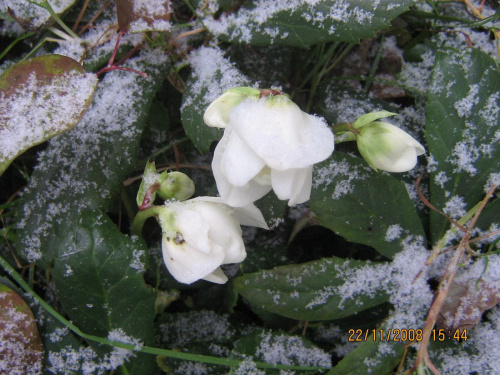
(302,24)
(462,132)
(212,74)
(371,357)
(364,206)
(98,278)
(309,291)
(85,168)
(281,348)
(41,97)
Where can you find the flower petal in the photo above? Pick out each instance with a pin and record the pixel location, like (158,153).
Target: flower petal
(235,196)
(281,134)
(217,277)
(239,163)
(187,264)
(293,184)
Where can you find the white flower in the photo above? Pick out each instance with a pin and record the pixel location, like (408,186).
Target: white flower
(269,143)
(201,234)
(387,147)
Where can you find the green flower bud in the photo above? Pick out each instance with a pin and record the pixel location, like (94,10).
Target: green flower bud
(175,185)
(387,147)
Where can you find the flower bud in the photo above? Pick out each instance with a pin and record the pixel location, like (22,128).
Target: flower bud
(387,147)
(217,113)
(175,185)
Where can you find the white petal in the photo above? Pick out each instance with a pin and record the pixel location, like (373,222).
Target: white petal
(235,196)
(217,277)
(281,134)
(239,164)
(194,230)
(293,184)
(186,264)
(224,230)
(248,215)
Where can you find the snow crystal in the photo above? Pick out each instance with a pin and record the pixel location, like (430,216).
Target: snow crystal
(152,16)
(195,326)
(137,263)
(493,179)
(34,15)
(342,175)
(286,350)
(455,207)
(247,367)
(393,232)
(441,179)
(464,106)
(58,334)
(211,72)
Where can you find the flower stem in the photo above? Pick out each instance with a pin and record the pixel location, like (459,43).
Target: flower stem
(143,349)
(141,218)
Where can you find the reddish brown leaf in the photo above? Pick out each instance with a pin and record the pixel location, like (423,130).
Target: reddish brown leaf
(21,350)
(466,303)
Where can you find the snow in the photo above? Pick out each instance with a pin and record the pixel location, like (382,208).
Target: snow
(195,326)
(212,75)
(290,350)
(393,232)
(38,109)
(34,15)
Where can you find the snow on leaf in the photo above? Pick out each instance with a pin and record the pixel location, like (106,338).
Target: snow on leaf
(40,98)
(21,350)
(212,75)
(135,16)
(461,131)
(303,23)
(30,15)
(466,303)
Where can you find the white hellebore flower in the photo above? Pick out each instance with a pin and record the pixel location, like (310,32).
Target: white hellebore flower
(387,147)
(203,233)
(268,143)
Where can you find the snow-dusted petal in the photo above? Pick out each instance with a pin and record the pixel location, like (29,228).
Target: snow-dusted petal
(281,134)
(293,184)
(239,163)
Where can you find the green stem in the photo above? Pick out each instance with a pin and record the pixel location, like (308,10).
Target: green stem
(144,349)
(45,5)
(10,46)
(374,67)
(164,149)
(141,218)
